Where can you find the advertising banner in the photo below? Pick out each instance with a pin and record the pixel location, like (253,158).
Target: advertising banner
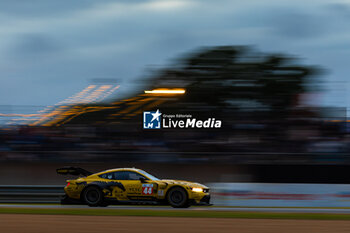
(280,195)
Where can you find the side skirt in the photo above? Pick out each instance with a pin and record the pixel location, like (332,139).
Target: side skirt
(135,202)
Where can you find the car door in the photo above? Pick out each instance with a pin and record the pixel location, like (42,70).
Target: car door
(134,188)
(118,190)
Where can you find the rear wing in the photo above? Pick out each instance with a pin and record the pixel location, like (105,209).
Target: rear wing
(75,171)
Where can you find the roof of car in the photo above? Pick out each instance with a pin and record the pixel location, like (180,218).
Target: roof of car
(120,169)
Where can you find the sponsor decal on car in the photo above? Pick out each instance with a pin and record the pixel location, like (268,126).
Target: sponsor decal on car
(147,189)
(160,192)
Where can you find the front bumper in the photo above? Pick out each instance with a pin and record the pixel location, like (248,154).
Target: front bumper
(204,201)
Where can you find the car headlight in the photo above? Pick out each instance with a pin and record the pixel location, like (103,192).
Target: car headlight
(197,190)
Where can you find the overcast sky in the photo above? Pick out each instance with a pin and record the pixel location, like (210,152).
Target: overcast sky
(50,50)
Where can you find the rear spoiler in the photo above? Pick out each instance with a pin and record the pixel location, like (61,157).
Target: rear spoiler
(75,171)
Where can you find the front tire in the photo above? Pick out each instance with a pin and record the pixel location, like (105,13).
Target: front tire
(93,196)
(177,197)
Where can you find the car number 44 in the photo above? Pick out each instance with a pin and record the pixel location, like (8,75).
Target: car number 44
(147,189)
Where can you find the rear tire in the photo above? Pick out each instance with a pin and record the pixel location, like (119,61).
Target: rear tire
(177,197)
(93,196)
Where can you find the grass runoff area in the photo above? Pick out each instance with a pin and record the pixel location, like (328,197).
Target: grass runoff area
(175,213)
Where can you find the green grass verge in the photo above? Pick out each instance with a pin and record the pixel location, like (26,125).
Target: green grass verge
(204,207)
(199,206)
(176,213)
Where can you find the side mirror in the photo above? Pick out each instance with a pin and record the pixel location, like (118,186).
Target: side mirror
(143,180)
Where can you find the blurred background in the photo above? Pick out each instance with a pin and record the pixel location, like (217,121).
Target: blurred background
(73,81)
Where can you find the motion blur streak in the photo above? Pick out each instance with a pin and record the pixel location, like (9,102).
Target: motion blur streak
(268,126)
(165,91)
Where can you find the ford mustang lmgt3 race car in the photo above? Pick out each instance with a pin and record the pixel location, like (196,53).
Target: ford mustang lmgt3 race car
(130,185)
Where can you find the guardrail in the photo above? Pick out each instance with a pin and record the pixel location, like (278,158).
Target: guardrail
(224,194)
(31,193)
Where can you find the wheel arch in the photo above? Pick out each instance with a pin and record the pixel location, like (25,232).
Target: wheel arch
(177,186)
(184,203)
(88,186)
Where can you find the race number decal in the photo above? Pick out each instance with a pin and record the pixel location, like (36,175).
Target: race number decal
(147,189)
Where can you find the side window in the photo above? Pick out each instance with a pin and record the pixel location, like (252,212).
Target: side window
(121,176)
(109,176)
(135,176)
(126,175)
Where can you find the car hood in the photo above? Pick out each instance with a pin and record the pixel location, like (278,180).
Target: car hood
(186,183)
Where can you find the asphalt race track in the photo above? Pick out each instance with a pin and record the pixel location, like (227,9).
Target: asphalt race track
(213,208)
(55,218)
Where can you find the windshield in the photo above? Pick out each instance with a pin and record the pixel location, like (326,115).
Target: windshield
(148,175)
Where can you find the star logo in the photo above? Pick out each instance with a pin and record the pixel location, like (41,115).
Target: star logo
(151,120)
(156,115)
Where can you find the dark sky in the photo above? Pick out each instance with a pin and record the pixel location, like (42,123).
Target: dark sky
(50,50)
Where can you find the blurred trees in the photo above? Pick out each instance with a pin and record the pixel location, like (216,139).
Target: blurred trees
(239,78)
(255,95)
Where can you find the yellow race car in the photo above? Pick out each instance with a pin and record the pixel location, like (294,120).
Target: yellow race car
(130,185)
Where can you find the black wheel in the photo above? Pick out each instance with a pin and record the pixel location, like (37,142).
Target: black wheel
(93,196)
(177,198)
